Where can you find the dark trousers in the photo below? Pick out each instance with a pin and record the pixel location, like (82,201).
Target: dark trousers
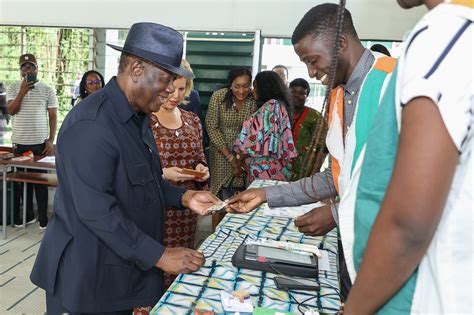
(345,279)
(41,191)
(55,307)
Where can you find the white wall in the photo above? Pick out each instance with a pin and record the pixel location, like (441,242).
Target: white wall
(374,19)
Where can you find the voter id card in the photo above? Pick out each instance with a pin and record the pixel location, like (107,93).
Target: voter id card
(219,207)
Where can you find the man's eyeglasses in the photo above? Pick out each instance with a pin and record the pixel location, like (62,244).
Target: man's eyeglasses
(28,66)
(94,82)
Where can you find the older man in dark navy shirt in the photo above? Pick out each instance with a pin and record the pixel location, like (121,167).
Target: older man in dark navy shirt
(102,251)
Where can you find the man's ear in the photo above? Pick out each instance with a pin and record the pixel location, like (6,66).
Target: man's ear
(136,69)
(344,43)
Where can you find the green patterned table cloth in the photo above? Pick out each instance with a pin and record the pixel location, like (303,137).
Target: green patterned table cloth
(200,290)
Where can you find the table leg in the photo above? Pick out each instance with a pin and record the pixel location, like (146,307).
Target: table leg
(12,201)
(12,216)
(25,187)
(4,203)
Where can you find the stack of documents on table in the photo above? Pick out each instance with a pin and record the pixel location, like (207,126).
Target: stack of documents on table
(48,159)
(289,212)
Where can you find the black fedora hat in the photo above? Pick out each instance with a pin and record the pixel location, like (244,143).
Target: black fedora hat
(158,44)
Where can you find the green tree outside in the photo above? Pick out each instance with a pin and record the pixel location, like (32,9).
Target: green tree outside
(60,52)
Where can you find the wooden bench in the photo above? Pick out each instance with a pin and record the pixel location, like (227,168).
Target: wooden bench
(33,178)
(25,178)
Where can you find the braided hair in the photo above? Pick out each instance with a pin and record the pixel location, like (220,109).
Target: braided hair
(323,21)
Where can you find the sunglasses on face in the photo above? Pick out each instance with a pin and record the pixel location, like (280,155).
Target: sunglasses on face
(28,66)
(93,82)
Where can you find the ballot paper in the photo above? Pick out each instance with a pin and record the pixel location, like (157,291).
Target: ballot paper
(290,212)
(231,303)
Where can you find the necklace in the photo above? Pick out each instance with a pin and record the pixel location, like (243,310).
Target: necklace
(236,107)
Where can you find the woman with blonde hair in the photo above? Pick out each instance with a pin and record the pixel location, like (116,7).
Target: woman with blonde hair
(178,136)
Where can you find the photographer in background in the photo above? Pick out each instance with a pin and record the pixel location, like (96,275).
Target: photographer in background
(33,107)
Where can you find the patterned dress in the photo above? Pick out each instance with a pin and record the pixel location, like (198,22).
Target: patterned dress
(181,147)
(267,140)
(304,126)
(223,127)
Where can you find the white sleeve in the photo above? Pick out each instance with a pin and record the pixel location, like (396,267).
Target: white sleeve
(12,91)
(52,99)
(438,65)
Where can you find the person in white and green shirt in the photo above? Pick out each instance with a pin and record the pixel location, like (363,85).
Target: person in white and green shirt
(361,76)
(411,190)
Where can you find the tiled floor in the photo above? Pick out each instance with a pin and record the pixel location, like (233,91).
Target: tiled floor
(17,255)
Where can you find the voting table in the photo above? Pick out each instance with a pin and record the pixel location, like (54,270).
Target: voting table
(201,289)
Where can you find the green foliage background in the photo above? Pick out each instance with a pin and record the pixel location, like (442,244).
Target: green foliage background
(60,52)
